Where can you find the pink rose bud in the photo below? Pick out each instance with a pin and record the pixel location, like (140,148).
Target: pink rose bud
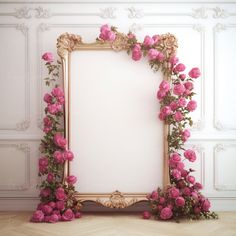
(182,76)
(152,54)
(155,38)
(179,89)
(194,73)
(190,179)
(192,105)
(206,205)
(78,215)
(68,155)
(48,56)
(154,195)
(146,215)
(190,155)
(47,98)
(136,52)
(50,177)
(188,85)
(148,41)
(71,179)
(179,68)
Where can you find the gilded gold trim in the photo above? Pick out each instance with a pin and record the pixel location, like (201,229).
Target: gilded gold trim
(67,43)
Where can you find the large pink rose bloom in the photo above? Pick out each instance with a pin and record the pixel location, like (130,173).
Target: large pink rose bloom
(190,155)
(192,105)
(136,52)
(60,194)
(194,73)
(173,192)
(179,89)
(107,33)
(68,215)
(166,213)
(37,216)
(59,140)
(48,56)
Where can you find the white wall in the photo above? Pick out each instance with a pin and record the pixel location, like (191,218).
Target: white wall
(206,33)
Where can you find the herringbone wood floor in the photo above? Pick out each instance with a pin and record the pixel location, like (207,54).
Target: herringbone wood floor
(113,224)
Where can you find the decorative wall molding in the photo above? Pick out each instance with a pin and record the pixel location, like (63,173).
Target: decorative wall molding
(23,124)
(108,13)
(218,124)
(135,13)
(23,147)
(218,148)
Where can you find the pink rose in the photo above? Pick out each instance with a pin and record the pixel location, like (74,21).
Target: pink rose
(58,157)
(57,92)
(166,213)
(53,218)
(176,174)
(71,179)
(180,166)
(175,157)
(165,86)
(173,105)
(148,41)
(179,68)
(136,52)
(162,200)
(52,204)
(174,60)
(45,192)
(107,33)
(190,155)
(166,110)
(37,216)
(160,56)
(50,177)
(206,205)
(161,116)
(178,116)
(198,186)
(173,192)
(68,215)
(154,195)
(190,179)
(161,94)
(54,108)
(60,194)
(182,76)
(156,38)
(59,140)
(48,56)
(47,210)
(182,102)
(68,155)
(194,73)
(184,173)
(47,129)
(179,201)
(197,210)
(131,35)
(152,54)
(60,205)
(47,121)
(179,89)
(47,98)
(78,214)
(187,191)
(192,105)
(146,215)
(185,135)
(187,92)
(188,85)
(57,213)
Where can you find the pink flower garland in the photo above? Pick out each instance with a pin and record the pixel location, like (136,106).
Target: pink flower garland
(182,198)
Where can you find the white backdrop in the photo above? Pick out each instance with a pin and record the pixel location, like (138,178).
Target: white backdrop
(206,33)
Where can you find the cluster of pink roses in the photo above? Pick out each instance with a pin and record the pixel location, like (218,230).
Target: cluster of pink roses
(57,201)
(107,34)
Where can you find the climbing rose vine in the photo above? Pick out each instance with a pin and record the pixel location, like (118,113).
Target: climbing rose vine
(182,198)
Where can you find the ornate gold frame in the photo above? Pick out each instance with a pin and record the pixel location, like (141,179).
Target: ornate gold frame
(66,43)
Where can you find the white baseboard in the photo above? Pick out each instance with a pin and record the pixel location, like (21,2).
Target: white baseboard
(29,204)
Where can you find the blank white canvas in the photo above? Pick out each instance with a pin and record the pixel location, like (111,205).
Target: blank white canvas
(116,135)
